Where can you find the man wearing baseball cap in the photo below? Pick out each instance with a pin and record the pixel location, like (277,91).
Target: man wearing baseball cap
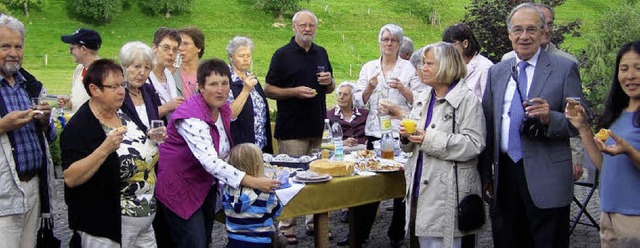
(83,46)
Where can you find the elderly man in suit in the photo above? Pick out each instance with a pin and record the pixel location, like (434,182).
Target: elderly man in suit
(528,153)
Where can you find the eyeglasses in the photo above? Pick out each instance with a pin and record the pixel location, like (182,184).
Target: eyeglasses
(115,86)
(168,48)
(518,30)
(305,26)
(387,40)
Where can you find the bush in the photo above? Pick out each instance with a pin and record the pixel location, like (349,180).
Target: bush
(95,11)
(280,8)
(614,28)
(166,7)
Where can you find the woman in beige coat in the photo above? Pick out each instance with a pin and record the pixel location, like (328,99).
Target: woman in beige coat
(430,172)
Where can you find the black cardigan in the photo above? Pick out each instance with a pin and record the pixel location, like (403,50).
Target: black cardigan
(93,207)
(242,128)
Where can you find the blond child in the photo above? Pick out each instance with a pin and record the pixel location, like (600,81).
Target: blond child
(249,212)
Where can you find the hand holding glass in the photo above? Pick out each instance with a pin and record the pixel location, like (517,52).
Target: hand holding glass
(157,132)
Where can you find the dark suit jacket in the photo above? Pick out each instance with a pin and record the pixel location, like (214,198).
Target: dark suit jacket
(547,160)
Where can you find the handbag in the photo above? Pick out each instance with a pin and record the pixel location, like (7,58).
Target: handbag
(45,238)
(471,213)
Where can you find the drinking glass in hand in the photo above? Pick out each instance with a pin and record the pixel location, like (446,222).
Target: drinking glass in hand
(35,102)
(157,131)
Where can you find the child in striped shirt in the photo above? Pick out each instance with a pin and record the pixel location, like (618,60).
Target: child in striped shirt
(249,212)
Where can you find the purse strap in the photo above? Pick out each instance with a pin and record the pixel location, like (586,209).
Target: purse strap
(455,164)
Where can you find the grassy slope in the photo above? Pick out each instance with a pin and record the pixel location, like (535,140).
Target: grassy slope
(348,30)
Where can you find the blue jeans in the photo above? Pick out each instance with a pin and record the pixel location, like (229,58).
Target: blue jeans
(194,232)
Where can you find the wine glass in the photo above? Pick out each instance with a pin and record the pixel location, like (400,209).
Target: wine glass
(157,131)
(316,152)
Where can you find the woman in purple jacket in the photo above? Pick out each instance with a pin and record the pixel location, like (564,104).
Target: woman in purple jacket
(191,166)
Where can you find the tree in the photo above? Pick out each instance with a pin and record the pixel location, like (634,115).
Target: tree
(24,5)
(614,28)
(95,11)
(166,7)
(487,19)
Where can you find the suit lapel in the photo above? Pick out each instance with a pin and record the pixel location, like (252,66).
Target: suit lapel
(540,75)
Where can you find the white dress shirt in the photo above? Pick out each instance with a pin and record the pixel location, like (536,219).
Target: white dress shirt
(508,95)
(477,72)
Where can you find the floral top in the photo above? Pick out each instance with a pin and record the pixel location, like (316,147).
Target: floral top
(259,111)
(138,157)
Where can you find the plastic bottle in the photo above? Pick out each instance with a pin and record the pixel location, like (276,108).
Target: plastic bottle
(388,144)
(336,132)
(326,136)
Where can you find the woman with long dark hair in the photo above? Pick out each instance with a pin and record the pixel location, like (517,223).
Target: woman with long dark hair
(617,155)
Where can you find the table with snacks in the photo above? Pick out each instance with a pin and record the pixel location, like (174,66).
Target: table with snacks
(363,184)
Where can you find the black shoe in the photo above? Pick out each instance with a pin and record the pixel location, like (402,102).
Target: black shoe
(344,242)
(395,243)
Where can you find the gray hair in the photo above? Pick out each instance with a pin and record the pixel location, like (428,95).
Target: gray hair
(238,42)
(530,6)
(12,24)
(406,46)
(416,59)
(295,17)
(134,51)
(346,84)
(395,30)
(545,6)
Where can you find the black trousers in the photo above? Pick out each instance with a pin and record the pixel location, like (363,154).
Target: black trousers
(364,216)
(522,223)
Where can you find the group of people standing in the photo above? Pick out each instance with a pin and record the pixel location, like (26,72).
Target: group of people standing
(502,131)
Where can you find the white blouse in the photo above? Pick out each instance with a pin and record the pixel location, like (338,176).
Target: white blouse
(196,133)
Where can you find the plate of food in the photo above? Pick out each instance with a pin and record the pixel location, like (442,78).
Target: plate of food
(364,154)
(383,165)
(311,177)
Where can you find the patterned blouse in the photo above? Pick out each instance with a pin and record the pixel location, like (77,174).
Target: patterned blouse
(138,156)
(259,110)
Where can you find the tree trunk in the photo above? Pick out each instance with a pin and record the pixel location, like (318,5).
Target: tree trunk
(167,13)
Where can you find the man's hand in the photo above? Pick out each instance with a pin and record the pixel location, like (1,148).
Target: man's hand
(43,114)
(538,108)
(304,92)
(577,172)
(15,119)
(324,78)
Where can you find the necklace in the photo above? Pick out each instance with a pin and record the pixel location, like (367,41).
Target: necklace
(134,94)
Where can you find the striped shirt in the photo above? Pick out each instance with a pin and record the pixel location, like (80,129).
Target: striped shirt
(250,214)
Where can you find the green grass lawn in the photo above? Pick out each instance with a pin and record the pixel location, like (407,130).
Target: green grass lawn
(347,29)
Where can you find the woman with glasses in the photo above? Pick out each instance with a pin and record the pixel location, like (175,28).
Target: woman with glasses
(250,110)
(388,78)
(191,50)
(165,49)
(108,164)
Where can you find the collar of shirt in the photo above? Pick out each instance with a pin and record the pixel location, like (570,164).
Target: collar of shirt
(17,77)
(532,61)
(338,112)
(301,49)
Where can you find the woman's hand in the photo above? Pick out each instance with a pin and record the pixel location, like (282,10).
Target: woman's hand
(113,140)
(175,103)
(391,109)
(576,115)
(250,82)
(621,146)
(260,183)
(417,137)
(350,141)
(373,81)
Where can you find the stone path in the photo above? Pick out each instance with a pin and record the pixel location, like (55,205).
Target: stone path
(582,237)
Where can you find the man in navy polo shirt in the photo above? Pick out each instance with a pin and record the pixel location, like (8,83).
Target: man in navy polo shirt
(299,77)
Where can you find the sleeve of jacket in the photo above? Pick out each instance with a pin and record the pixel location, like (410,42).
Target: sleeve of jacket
(559,126)
(486,159)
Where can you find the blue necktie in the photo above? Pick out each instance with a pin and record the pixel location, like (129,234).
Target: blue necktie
(516,113)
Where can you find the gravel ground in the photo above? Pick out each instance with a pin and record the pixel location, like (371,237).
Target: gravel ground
(582,237)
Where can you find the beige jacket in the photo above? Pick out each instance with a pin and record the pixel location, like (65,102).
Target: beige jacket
(436,208)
